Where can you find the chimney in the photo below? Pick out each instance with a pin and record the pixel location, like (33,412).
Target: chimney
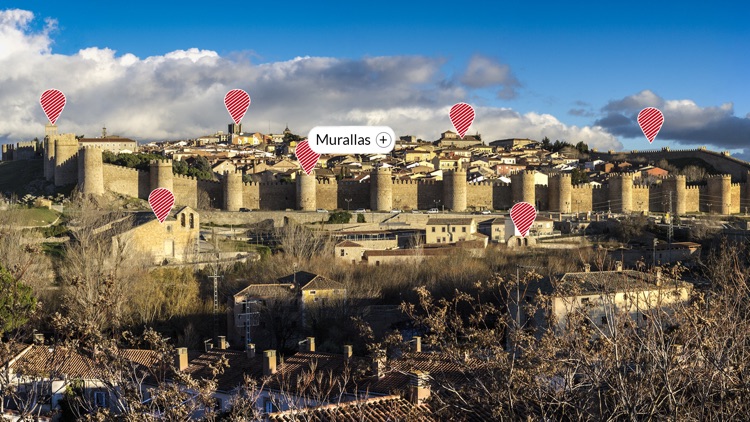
(250,350)
(348,352)
(307,345)
(181,359)
(587,268)
(417,344)
(223,343)
(618,266)
(419,386)
(378,363)
(269,362)
(657,279)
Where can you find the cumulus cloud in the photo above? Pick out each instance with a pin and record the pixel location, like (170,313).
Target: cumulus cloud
(483,72)
(684,121)
(180,94)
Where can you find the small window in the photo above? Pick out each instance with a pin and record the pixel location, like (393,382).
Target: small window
(312,292)
(343,252)
(604,320)
(100,398)
(192,221)
(443,229)
(377,263)
(182,220)
(454,229)
(463,229)
(433,230)
(169,228)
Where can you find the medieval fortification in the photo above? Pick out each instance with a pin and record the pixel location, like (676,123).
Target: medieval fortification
(65,164)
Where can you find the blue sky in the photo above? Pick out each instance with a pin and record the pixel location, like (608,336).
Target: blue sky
(576,72)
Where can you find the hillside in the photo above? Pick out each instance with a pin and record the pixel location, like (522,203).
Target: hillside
(16,175)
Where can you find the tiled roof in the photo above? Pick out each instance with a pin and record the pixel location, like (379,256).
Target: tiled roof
(62,361)
(453,221)
(200,363)
(389,408)
(267,290)
(322,283)
(348,244)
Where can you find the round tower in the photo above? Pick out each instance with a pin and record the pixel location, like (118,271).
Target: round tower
(523,187)
(90,171)
(232,184)
(560,193)
(621,193)
(160,173)
(454,190)
(720,193)
(66,162)
(676,186)
(381,189)
(307,193)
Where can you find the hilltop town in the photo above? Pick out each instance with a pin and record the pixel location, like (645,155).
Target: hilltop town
(380,287)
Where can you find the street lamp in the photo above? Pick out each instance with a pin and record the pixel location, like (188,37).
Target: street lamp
(348,201)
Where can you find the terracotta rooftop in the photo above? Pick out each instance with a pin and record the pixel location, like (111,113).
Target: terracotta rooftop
(267,290)
(452,221)
(348,244)
(63,361)
(389,408)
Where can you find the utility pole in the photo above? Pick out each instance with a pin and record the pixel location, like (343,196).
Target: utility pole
(215,277)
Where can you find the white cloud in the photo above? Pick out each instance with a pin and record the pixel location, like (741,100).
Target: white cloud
(482,72)
(684,121)
(180,94)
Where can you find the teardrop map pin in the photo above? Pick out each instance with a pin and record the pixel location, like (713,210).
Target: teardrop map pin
(462,115)
(237,102)
(53,102)
(523,215)
(650,120)
(161,201)
(306,156)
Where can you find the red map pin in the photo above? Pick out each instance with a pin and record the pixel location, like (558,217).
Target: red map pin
(306,156)
(53,102)
(650,120)
(462,115)
(237,102)
(161,201)
(523,215)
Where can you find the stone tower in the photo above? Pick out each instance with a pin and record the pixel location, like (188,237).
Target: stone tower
(160,174)
(522,187)
(677,187)
(454,190)
(560,193)
(90,171)
(232,184)
(720,193)
(621,193)
(307,186)
(66,162)
(381,189)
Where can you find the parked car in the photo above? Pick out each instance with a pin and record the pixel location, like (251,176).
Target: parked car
(486,212)
(321,210)
(360,211)
(395,211)
(244,210)
(433,211)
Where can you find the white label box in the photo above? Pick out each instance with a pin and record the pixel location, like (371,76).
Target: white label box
(351,139)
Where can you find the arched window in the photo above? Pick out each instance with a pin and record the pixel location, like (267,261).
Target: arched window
(182,220)
(192,221)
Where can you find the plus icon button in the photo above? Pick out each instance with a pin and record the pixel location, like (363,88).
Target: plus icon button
(384,140)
